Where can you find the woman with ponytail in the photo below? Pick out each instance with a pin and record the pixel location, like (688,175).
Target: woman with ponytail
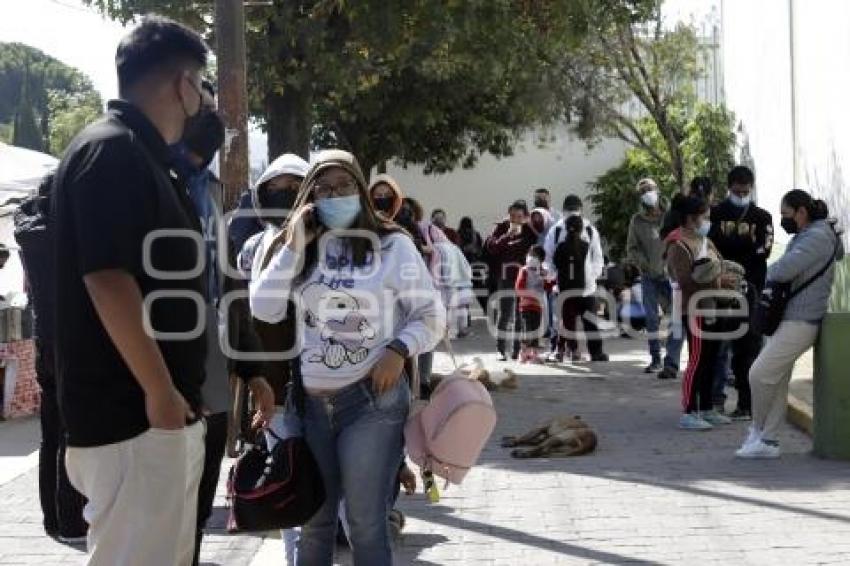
(808,266)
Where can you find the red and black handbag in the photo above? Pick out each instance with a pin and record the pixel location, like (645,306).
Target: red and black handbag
(274,489)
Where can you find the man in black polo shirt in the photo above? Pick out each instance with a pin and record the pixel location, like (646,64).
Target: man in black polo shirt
(130,310)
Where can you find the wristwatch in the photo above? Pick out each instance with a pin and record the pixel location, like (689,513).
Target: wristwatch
(399,347)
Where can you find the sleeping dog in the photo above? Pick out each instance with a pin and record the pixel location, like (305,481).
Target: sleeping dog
(558,438)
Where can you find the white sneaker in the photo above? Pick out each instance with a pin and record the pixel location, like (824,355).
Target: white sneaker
(753,436)
(758,450)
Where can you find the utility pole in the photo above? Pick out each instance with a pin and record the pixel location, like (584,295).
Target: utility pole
(232,97)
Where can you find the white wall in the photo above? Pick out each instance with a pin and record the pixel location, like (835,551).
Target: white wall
(757,68)
(485,192)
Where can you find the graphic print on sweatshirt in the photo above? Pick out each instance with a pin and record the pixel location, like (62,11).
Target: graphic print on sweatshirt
(336,314)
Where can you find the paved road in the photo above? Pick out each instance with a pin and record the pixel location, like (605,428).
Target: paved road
(650,493)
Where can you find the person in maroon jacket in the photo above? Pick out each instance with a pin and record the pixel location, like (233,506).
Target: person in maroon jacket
(508,245)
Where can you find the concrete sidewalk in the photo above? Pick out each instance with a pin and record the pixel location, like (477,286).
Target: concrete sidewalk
(650,493)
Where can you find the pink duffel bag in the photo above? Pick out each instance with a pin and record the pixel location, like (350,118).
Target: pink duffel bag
(447,435)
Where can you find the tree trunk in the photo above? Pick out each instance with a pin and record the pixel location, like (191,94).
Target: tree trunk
(289,119)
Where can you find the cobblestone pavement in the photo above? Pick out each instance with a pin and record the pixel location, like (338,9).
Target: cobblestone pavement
(650,493)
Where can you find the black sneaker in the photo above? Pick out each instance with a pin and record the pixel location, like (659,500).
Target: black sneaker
(668,373)
(599,358)
(502,356)
(740,415)
(654,366)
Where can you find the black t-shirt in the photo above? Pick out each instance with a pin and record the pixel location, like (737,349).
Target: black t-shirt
(113,191)
(744,236)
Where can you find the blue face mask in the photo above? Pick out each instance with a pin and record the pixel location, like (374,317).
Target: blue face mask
(739,201)
(704,228)
(338,213)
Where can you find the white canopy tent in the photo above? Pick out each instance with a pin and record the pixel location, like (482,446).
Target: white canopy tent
(21,170)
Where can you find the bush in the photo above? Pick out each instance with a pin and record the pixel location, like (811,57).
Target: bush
(707,147)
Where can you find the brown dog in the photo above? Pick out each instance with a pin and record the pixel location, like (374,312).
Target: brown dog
(558,438)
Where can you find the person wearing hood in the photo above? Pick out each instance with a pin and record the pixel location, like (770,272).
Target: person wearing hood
(543,199)
(365,311)
(645,251)
(191,159)
(272,198)
(807,267)
(386,196)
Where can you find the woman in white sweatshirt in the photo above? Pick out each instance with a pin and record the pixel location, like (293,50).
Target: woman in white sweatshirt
(364,303)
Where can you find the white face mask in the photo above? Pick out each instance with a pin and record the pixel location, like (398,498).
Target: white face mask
(739,201)
(650,198)
(532,262)
(704,228)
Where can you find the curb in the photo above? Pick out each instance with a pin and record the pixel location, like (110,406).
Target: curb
(800,415)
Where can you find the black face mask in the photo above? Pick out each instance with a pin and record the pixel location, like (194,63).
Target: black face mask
(383,204)
(540,203)
(284,199)
(789,225)
(204,134)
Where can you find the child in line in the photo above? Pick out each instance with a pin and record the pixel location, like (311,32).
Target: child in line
(532,284)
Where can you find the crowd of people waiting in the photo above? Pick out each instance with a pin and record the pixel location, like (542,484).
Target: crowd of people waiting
(354,278)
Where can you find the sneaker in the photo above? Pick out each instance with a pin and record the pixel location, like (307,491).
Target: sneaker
(758,450)
(739,415)
(714,418)
(692,421)
(502,356)
(556,357)
(668,373)
(720,407)
(654,366)
(753,435)
(599,358)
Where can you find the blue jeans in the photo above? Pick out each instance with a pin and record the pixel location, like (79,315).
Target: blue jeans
(356,437)
(653,290)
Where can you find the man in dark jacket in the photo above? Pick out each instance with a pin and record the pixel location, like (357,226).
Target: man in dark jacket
(508,245)
(743,233)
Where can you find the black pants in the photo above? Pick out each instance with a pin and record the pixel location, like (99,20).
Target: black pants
(531,328)
(745,350)
(61,504)
(574,309)
(214,443)
(698,382)
(508,322)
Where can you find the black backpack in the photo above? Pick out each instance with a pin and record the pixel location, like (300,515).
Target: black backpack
(570,266)
(34,234)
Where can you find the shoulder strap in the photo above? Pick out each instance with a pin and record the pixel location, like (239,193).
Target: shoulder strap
(557,234)
(819,274)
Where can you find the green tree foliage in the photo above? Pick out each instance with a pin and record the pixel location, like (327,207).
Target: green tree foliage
(70,113)
(25,132)
(707,149)
(627,71)
(418,81)
(29,80)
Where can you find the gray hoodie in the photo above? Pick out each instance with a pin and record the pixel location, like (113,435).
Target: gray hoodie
(806,254)
(644,247)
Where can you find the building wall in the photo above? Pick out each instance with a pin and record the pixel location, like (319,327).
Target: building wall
(787,81)
(484,192)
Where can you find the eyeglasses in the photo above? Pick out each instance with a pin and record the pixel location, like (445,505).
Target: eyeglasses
(322,190)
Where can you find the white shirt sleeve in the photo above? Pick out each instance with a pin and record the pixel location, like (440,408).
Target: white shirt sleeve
(270,288)
(595,256)
(424,316)
(549,245)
